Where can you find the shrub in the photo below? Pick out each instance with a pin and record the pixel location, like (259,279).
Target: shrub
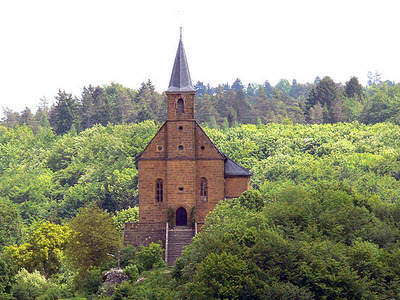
(132,271)
(150,257)
(89,282)
(123,291)
(29,285)
(221,276)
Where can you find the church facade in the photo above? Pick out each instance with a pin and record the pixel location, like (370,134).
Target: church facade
(182,174)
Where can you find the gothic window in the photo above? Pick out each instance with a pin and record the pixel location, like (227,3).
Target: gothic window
(159,190)
(203,189)
(180,106)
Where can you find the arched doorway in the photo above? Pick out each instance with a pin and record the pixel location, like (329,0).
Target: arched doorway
(181,217)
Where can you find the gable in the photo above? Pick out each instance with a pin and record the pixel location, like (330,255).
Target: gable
(157,148)
(205,148)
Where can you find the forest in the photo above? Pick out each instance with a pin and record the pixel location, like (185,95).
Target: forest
(320,222)
(224,106)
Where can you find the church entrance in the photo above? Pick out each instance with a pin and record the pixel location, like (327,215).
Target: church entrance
(181,217)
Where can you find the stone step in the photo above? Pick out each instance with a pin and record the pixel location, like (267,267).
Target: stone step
(178,237)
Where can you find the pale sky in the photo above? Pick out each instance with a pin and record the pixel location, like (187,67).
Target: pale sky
(56,44)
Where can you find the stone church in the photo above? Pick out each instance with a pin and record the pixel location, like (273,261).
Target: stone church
(182,174)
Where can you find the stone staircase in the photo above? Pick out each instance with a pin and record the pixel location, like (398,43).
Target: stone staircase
(178,237)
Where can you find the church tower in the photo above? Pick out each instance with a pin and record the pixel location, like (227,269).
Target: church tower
(182,174)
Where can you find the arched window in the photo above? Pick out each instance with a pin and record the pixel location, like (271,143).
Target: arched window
(180,107)
(203,189)
(159,190)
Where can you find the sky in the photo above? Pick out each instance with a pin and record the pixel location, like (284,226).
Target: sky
(46,46)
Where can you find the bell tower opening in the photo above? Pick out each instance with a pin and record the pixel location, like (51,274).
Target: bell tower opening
(180,93)
(180,106)
(181,217)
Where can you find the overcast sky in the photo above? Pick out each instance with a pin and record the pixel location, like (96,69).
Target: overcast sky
(52,45)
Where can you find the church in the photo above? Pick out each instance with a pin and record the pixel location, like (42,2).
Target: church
(182,174)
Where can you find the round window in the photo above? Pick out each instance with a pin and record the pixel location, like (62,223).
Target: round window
(180,147)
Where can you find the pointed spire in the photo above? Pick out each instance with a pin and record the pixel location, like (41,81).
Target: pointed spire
(180,78)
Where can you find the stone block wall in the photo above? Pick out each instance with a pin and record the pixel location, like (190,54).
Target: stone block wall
(142,234)
(235,186)
(213,172)
(188,100)
(150,210)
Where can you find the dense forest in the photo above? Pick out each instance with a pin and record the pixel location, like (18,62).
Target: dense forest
(321,221)
(323,101)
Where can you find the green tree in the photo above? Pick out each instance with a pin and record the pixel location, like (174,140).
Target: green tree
(64,113)
(44,249)
(93,238)
(219,276)
(283,86)
(129,215)
(353,88)
(29,286)
(327,94)
(12,225)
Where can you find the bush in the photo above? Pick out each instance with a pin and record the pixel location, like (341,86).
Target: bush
(150,257)
(132,271)
(220,276)
(128,254)
(123,291)
(89,283)
(29,285)
(252,199)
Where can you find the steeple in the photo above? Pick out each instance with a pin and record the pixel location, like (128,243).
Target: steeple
(180,78)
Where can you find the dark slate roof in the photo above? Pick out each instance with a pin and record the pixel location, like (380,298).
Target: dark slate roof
(234,169)
(180,78)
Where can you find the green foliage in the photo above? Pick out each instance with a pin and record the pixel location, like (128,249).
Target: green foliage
(11,230)
(29,286)
(129,215)
(252,199)
(219,276)
(150,257)
(8,271)
(326,241)
(326,94)
(89,282)
(64,117)
(128,253)
(132,271)
(124,291)
(321,221)
(44,249)
(93,238)
(323,101)
(154,284)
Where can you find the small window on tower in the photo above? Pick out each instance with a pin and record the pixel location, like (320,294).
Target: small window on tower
(180,109)
(159,191)
(203,190)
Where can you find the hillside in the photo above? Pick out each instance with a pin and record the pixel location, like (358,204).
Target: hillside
(322,220)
